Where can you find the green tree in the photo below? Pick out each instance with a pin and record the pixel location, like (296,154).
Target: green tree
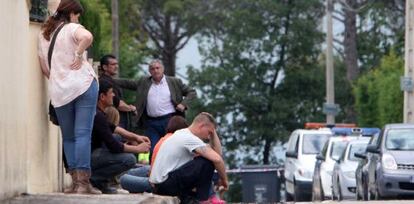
(134,50)
(170,24)
(380,29)
(97,20)
(379,99)
(371,28)
(260,75)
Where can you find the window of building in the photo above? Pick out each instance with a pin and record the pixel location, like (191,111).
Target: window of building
(38,11)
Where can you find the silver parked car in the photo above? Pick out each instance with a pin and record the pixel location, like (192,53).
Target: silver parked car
(343,175)
(391,168)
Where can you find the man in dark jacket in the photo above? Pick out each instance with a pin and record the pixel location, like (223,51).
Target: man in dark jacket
(158,97)
(110,156)
(108,69)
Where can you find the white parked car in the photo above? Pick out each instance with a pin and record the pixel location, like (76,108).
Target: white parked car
(322,177)
(303,146)
(343,176)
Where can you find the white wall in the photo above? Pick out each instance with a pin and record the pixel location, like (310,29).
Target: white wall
(29,145)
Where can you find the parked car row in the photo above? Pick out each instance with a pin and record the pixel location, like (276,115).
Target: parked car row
(350,163)
(311,160)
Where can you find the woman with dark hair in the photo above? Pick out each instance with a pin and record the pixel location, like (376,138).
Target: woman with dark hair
(73,88)
(136,180)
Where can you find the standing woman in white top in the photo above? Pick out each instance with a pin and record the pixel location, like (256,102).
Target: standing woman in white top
(73,89)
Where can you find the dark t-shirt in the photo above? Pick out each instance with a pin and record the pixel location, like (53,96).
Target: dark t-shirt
(102,134)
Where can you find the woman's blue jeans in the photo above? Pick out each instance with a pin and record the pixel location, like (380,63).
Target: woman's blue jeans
(136,180)
(76,122)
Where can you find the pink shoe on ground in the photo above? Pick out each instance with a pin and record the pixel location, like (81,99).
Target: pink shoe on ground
(215,200)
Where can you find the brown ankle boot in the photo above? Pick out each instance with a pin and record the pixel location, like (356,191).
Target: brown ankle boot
(83,186)
(71,188)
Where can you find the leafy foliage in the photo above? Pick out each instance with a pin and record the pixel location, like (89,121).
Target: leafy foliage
(380,28)
(134,50)
(379,99)
(260,76)
(97,20)
(169,24)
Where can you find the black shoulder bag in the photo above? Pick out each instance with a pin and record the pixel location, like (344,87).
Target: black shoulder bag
(52,113)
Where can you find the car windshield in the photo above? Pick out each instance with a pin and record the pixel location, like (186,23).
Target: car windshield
(313,143)
(400,139)
(337,149)
(356,148)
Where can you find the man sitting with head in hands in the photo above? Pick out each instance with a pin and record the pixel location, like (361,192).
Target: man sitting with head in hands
(184,165)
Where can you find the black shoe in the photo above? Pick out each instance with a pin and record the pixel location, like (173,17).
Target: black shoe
(104,187)
(108,190)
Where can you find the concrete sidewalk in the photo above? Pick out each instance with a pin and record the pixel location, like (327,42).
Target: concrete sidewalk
(61,198)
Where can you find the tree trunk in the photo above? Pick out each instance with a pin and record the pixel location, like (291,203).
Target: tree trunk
(272,89)
(115,29)
(168,59)
(350,41)
(350,50)
(167,56)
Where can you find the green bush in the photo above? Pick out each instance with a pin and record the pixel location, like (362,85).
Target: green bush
(379,99)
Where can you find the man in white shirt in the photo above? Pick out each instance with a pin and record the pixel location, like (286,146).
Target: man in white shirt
(158,98)
(184,162)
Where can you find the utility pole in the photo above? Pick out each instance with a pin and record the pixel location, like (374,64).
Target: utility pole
(330,109)
(407,80)
(115,29)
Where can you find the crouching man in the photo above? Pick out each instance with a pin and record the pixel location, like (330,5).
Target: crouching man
(111,156)
(184,165)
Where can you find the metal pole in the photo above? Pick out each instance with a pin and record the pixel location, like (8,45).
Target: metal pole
(408,67)
(330,91)
(115,29)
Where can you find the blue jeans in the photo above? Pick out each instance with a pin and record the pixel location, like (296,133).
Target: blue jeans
(155,129)
(76,122)
(136,180)
(107,165)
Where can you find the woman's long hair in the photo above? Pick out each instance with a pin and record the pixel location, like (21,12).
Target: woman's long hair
(62,14)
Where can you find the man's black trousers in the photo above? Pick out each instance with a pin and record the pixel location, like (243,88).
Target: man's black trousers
(196,173)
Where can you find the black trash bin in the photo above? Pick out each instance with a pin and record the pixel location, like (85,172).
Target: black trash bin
(260,184)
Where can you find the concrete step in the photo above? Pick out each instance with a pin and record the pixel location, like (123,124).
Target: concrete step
(61,198)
